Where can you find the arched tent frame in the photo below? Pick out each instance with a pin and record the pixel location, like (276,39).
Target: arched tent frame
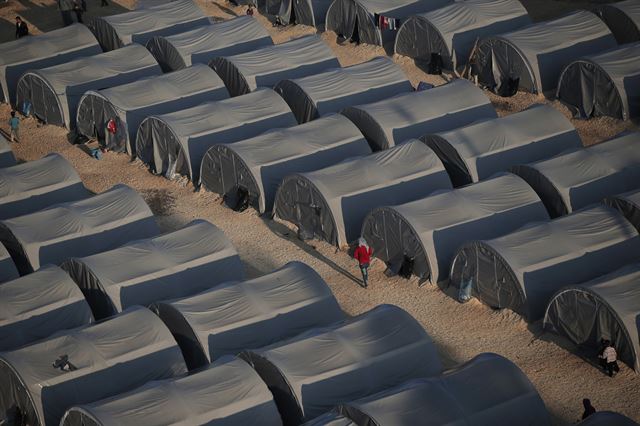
(301,12)
(607,418)
(623,18)
(8,269)
(628,204)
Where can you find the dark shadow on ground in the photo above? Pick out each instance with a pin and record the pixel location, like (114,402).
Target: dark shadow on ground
(225,9)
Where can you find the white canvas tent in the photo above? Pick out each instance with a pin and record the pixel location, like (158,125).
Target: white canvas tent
(8,269)
(628,204)
(623,18)
(607,418)
(301,12)
(7,159)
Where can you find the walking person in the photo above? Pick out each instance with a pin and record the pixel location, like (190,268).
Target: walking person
(21,28)
(14,126)
(588,408)
(363,255)
(79,7)
(611,358)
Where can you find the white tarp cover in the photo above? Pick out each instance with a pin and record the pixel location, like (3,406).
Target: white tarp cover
(173,265)
(39,305)
(245,315)
(8,269)
(41,51)
(450,32)
(391,121)
(421,237)
(227,393)
(176,142)
(607,418)
(628,204)
(533,58)
(80,228)
(363,355)
(35,185)
(54,92)
(331,203)
(606,84)
(607,307)
(200,45)
(481,149)
(265,67)
(301,12)
(521,271)
(102,360)
(7,159)
(138,26)
(254,168)
(584,176)
(332,90)
(131,103)
(623,18)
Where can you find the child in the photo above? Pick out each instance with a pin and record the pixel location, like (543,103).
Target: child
(14,125)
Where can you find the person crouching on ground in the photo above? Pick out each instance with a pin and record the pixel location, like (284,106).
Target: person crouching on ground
(363,256)
(14,126)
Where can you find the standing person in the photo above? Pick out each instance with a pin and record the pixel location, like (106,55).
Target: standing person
(250,10)
(363,256)
(588,408)
(21,28)
(611,357)
(66,6)
(79,7)
(14,125)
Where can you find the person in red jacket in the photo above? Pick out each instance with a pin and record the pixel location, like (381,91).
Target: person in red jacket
(363,256)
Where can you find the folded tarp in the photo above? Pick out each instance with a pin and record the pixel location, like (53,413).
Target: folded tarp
(628,204)
(80,228)
(39,305)
(249,172)
(250,314)
(265,67)
(227,393)
(580,177)
(41,381)
(8,269)
(330,91)
(36,185)
(201,44)
(623,19)
(41,51)
(7,159)
(311,373)
(607,418)
(411,115)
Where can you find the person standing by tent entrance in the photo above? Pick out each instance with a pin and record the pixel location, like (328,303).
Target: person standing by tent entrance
(14,126)
(610,356)
(21,28)
(363,255)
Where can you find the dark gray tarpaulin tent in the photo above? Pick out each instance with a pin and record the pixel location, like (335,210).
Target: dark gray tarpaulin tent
(521,271)
(8,269)
(421,237)
(80,228)
(332,90)
(38,305)
(249,172)
(301,12)
(227,393)
(446,36)
(41,381)
(604,308)
(607,418)
(628,204)
(265,67)
(479,150)
(177,264)
(584,176)
(604,84)
(250,314)
(41,51)
(131,103)
(35,185)
(331,203)
(623,18)
(139,26)
(176,142)
(200,45)
(54,92)
(392,121)
(7,159)
(532,58)
(363,355)
(374,21)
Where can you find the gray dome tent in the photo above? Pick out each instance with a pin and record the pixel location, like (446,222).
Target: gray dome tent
(604,84)
(54,92)
(38,305)
(360,20)
(78,228)
(331,203)
(477,151)
(606,307)
(133,102)
(244,72)
(623,18)
(177,264)
(227,393)
(421,237)
(35,185)
(200,45)
(41,381)
(320,368)
(176,142)
(7,159)
(249,172)
(41,51)
(628,204)
(521,271)
(446,36)
(237,316)
(607,418)
(584,176)
(332,90)
(391,121)
(532,58)
(8,269)
(302,12)
(138,26)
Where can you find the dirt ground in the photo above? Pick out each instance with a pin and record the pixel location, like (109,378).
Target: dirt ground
(461,331)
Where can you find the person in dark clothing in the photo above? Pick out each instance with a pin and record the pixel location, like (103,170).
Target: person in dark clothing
(21,28)
(363,255)
(103,3)
(79,8)
(588,408)
(250,10)
(66,6)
